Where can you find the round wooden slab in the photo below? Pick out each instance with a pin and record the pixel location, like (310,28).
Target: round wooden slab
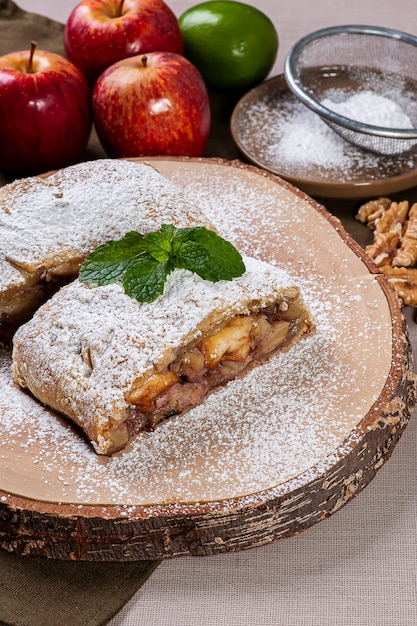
(264,457)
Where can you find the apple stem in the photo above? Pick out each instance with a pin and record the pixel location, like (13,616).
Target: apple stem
(33,45)
(120,8)
(144,60)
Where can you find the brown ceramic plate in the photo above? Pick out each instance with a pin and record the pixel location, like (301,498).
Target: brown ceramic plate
(262,458)
(277,132)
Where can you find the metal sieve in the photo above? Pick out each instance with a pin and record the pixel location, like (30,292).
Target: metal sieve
(333,64)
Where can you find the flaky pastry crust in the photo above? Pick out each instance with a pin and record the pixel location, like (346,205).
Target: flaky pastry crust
(90,353)
(49,225)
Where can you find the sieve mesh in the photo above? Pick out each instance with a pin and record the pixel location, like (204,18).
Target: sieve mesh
(338,62)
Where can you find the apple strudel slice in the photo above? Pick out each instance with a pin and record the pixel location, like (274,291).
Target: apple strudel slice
(49,225)
(116,366)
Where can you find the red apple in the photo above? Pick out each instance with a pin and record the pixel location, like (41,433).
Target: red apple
(45,113)
(154,104)
(100,32)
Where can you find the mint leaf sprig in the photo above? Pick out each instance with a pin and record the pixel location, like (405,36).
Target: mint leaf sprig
(142,263)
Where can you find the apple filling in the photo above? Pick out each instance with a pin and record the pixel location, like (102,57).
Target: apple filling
(211,361)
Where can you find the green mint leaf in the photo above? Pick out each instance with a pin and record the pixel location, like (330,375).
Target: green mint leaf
(145,277)
(185,234)
(169,230)
(107,263)
(158,246)
(223,262)
(143,262)
(189,255)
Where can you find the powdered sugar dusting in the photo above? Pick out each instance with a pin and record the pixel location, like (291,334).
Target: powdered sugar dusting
(102,340)
(289,139)
(265,430)
(69,214)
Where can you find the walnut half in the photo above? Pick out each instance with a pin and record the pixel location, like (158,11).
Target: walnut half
(394,246)
(404,281)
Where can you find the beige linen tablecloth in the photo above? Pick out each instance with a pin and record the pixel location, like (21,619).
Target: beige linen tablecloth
(357,568)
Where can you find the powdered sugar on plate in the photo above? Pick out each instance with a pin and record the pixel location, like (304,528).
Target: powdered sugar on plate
(262,431)
(281,134)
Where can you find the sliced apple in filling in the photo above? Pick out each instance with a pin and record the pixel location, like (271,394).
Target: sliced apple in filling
(210,361)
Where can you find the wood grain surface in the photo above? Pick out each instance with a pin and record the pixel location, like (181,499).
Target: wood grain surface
(218,514)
